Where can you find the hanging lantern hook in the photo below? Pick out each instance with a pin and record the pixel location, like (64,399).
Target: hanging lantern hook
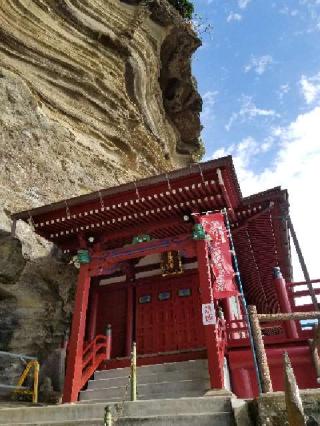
(101,200)
(201,172)
(67,209)
(168,181)
(137,190)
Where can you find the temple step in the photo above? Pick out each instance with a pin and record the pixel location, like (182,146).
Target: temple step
(186,366)
(170,380)
(184,411)
(171,376)
(150,391)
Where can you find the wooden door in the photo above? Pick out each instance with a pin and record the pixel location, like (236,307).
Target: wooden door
(112,309)
(168,314)
(189,327)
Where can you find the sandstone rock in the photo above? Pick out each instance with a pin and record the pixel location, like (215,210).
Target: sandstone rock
(93,93)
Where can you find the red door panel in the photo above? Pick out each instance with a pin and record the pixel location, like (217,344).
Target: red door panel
(145,319)
(189,328)
(112,309)
(168,315)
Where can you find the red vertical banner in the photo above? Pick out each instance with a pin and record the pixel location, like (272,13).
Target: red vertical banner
(220,258)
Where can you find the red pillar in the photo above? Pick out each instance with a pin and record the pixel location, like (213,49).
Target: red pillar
(93,315)
(284,302)
(129,329)
(226,306)
(215,361)
(73,377)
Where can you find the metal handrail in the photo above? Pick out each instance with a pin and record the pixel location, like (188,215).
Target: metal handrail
(19,388)
(110,417)
(14,355)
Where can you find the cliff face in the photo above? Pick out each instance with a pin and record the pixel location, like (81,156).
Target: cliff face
(93,93)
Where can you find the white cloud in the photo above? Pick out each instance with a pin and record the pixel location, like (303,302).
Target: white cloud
(234,17)
(294,167)
(248,111)
(209,100)
(289,12)
(283,90)
(243,3)
(259,64)
(310,88)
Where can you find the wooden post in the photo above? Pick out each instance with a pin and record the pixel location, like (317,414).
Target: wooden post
(294,405)
(133,378)
(263,367)
(107,416)
(74,358)
(215,363)
(36,368)
(284,302)
(314,344)
(303,264)
(109,341)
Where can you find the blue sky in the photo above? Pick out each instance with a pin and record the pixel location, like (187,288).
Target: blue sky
(258,72)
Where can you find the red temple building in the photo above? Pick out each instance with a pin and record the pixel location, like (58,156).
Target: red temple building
(164,261)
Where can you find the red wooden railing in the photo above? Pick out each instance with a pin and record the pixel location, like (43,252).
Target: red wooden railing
(299,295)
(237,331)
(300,300)
(96,352)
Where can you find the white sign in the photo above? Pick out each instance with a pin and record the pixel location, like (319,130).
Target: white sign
(208,314)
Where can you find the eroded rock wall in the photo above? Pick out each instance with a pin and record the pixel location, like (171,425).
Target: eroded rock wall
(93,93)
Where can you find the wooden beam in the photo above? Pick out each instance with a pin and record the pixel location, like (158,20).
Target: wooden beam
(287,317)
(104,260)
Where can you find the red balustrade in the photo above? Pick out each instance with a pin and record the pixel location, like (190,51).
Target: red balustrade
(237,332)
(299,295)
(94,354)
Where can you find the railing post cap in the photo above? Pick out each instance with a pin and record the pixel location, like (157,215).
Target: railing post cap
(252,308)
(277,272)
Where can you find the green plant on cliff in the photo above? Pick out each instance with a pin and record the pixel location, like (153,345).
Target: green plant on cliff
(184,7)
(198,155)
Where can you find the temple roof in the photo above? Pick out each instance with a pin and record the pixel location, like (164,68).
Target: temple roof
(148,202)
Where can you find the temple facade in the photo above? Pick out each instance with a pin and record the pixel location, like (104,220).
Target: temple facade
(171,262)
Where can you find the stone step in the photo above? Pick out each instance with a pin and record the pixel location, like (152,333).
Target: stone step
(78,412)
(148,391)
(146,397)
(170,376)
(187,366)
(205,419)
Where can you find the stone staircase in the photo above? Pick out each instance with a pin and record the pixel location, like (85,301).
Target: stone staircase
(172,380)
(169,394)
